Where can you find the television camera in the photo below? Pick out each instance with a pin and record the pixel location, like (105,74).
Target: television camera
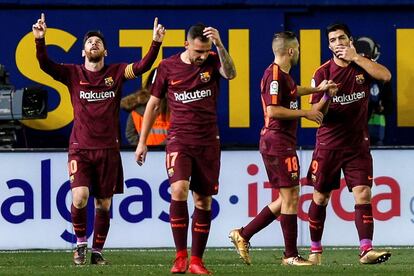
(18,104)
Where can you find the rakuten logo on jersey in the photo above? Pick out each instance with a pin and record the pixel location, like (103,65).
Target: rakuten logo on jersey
(192,96)
(293,105)
(347,99)
(91,96)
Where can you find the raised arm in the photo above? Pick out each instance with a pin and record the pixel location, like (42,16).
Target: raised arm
(227,69)
(138,68)
(158,31)
(39,28)
(57,71)
(375,70)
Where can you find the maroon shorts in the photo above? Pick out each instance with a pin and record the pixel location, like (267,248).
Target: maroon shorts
(198,164)
(325,170)
(100,170)
(282,169)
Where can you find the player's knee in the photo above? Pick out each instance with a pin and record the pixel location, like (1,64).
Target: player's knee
(80,201)
(294,198)
(202,202)
(179,191)
(276,206)
(290,196)
(321,198)
(289,208)
(362,194)
(291,205)
(179,194)
(103,204)
(80,197)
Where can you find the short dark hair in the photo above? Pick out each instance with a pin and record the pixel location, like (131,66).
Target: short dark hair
(285,35)
(196,31)
(97,33)
(338,26)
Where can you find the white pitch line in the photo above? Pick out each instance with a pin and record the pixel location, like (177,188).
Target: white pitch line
(208,249)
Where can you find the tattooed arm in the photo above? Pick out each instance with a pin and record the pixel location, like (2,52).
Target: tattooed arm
(227,69)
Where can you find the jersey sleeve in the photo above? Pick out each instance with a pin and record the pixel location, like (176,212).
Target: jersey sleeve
(59,72)
(317,78)
(160,81)
(272,91)
(136,69)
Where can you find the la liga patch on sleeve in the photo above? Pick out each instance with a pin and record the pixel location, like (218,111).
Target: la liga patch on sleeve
(313,83)
(274,88)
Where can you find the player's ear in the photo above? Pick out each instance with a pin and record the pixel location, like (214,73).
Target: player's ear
(186,44)
(83,53)
(106,52)
(290,51)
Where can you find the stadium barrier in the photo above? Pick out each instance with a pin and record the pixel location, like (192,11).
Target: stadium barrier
(35,198)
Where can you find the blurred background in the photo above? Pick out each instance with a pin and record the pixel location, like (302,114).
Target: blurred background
(246,28)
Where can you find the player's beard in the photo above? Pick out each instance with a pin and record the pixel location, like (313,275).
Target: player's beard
(94,56)
(197,61)
(294,60)
(335,54)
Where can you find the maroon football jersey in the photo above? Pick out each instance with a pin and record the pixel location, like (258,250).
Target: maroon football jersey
(279,89)
(345,125)
(192,93)
(95,96)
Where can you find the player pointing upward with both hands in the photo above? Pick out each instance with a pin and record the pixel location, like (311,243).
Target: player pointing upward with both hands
(94,159)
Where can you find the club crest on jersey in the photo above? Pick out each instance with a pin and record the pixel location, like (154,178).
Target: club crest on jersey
(360,79)
(109,81)
(170,172)
(205,76)
(274,88)
(294,176)
(71,178)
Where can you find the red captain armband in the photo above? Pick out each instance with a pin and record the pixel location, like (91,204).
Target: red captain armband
(326,97)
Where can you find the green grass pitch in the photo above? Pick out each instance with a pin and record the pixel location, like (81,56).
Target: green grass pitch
(222,261)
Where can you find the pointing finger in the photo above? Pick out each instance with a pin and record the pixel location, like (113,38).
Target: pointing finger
(155,22)
(42,17)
